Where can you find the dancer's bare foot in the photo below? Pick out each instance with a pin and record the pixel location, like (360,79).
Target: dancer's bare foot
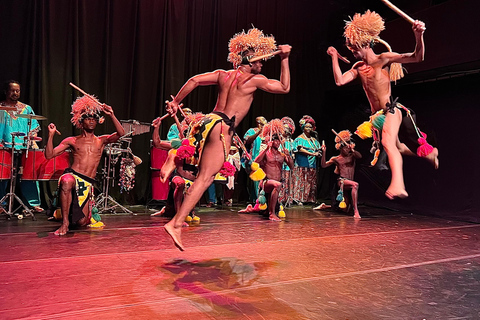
(433,158)
(158,213)
(322,207)
(62,230)
(274,217)
(401,193)
(176,235)
(167,167)
(356,215)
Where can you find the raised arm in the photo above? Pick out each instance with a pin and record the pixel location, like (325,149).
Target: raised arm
(328,163)
(262,154)
(417,55)
(157,142)
(51,152)
(118,126)
(276,86)
(340,78)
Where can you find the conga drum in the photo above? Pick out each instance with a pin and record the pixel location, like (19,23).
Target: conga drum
(5,163)
(37,167)
(159,189)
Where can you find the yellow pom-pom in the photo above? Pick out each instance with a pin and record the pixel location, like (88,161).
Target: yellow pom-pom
(342,205)
(263,206)
(188,219)
(254,166)
(364,130)
(257,175)
(196,219)
(281,213)
(172,152)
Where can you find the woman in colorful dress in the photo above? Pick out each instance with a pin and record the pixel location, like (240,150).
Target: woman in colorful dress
(307,150)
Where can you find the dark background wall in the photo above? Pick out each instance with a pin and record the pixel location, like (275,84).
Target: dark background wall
(133,54)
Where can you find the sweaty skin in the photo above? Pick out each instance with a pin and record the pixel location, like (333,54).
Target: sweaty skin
(271,161)
(86,151)
(373,73)
(235,96)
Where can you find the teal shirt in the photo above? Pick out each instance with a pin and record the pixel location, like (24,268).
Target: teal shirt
(255,146)
(9,125)
(311,145)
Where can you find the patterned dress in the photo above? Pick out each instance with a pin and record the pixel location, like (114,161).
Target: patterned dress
(305,171)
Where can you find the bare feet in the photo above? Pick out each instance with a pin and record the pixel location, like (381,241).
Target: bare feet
(176,235)
(433,158)
(167,167)
(390,194)
(322,207)
(274,217)
(356,215)
(158,213)
(62,230)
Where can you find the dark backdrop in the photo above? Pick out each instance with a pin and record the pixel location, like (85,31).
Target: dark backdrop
(133,54)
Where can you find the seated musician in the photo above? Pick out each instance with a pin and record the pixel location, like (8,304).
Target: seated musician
(76,185)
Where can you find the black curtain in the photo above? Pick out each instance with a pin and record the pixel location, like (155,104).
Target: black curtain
(132,54)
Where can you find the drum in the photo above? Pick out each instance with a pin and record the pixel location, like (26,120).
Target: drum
(36,167)
(159,189)
(5,163)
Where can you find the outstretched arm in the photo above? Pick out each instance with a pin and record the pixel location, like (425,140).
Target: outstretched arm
(118,126)
(204,79)
(417,55)
(340,79)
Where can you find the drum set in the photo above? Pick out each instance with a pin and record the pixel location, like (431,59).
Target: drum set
(128,161)
(30,163)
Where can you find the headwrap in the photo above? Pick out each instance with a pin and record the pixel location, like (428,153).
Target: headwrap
(86,107)
(289,123)
(254,40)
(346,135)
(363,30)
(307,119)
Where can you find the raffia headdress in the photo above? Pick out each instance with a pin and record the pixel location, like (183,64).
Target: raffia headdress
(346,135)
(83,107)
(253,40)
(363,30)
(273,128)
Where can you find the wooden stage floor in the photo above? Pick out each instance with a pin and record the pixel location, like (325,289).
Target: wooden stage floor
(314,265)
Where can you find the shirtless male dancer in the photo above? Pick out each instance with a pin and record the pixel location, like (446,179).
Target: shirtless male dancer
(373,71)
(345,166)
(87,151)
(271,161)
(235,96)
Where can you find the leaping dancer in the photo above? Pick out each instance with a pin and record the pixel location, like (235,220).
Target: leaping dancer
(236,88)
(376,71)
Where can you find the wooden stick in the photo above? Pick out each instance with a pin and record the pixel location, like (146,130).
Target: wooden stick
(86,94)
(398,11)
(265,56)
(343,58)
(347,144)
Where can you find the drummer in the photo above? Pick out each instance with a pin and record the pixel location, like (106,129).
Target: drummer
(18,118)
(76,185)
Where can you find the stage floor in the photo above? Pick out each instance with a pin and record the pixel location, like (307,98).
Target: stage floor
(314,265)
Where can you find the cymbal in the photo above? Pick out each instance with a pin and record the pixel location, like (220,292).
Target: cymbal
(31,116)
(7,108)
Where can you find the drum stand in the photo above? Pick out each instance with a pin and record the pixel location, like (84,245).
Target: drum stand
(11,196)
(109,204)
